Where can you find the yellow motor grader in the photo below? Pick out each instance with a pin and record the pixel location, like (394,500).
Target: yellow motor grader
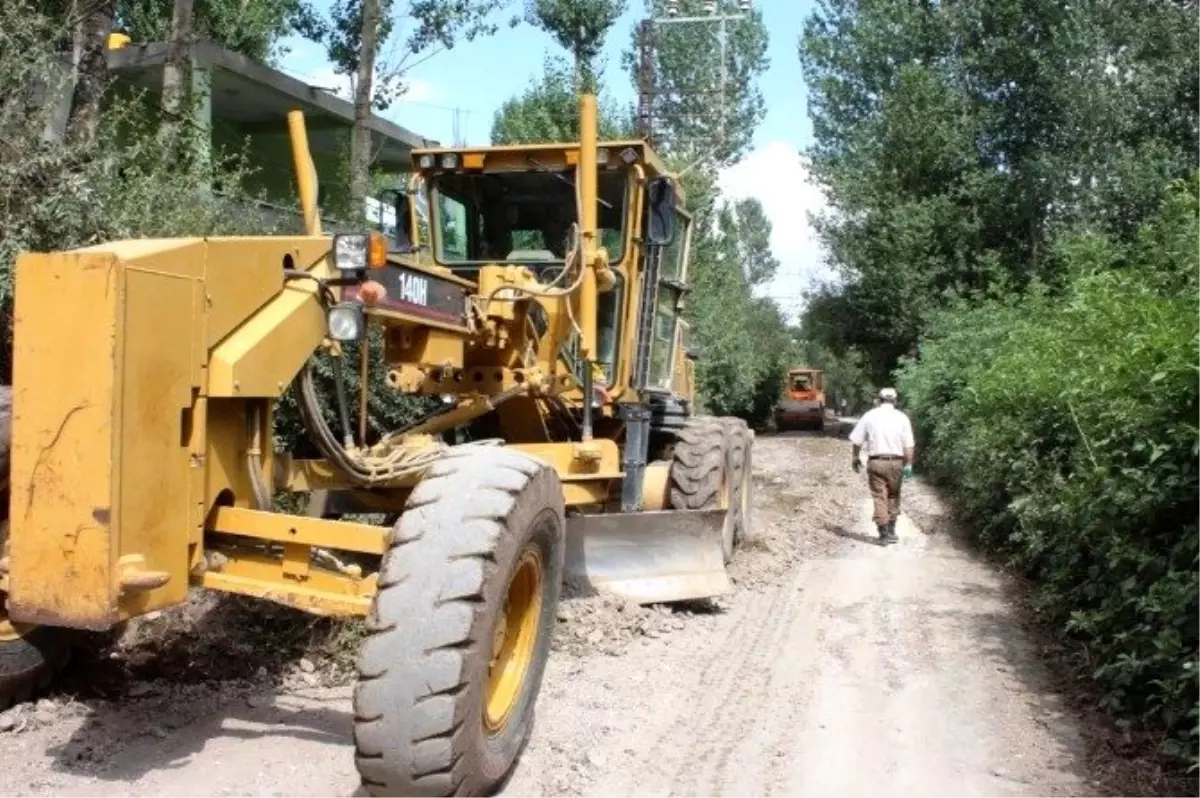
(530,295)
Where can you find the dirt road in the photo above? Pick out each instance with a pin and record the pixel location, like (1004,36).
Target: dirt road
(837,668)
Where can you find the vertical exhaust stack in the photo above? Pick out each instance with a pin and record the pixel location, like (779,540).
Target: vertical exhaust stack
(306,173)
(588,301)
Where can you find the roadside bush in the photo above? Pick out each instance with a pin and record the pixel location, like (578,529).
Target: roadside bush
(58,194)
(1066,428)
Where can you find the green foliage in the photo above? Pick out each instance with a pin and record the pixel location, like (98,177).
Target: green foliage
(549,111)
(56,195)
(433,25)
(957,140)
(579,26)
(744,339)
(689,118)
(1066,427)
(387,409)
(252,29)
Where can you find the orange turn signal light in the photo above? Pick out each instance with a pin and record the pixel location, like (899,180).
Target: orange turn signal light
(377,250)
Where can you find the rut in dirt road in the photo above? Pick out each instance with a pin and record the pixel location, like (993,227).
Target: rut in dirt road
(839,668)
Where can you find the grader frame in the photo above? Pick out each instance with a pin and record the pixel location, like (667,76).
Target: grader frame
(148,373)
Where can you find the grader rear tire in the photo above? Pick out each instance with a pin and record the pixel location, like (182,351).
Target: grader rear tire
(30,656)
(699,475)
(460,629)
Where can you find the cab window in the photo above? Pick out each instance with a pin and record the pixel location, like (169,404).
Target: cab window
(671,275)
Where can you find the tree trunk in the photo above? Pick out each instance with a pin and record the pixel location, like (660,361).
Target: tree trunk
(175,69)
(56,125)
(364,86)
(95,23)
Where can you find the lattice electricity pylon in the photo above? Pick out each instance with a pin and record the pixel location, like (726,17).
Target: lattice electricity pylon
(646,62)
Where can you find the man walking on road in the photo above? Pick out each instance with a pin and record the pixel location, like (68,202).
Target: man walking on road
(887,434)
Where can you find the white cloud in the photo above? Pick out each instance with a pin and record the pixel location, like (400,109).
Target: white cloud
(776,175)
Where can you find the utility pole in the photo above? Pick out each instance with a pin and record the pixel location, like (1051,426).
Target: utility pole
(646,64)
(645,112)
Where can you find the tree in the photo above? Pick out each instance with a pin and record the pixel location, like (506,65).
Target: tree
(549,111)
(752,231)
(693,114)
(580,27)
(250,28)
(360,144)
(175,68)
(95,22)
(957,141)
(355,35)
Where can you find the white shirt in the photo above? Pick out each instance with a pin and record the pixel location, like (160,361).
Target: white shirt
(884,430)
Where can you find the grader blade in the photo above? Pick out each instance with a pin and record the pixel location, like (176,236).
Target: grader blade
(649,557)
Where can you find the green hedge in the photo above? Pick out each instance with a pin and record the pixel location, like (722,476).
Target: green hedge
(1065,426)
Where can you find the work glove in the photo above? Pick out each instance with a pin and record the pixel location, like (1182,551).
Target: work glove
(856,465)
(907,472)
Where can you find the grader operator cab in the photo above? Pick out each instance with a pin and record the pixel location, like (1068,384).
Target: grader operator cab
(540,319)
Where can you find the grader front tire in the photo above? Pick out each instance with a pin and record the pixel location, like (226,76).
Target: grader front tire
(460,629)
(699,475)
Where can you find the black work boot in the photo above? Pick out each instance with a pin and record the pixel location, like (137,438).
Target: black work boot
(883,534)
(891,532)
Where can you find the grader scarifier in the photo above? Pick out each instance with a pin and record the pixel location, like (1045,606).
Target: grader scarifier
(535,289)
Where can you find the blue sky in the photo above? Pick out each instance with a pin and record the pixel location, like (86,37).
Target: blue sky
(458,91)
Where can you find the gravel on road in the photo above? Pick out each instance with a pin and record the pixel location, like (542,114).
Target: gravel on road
(836,667)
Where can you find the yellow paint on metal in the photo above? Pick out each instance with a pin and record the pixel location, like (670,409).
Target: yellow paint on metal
(587,493)
(261,357)
(563,457)
(306,173)
(514,641)
(656,485)
(300,529)
(11,631)
(552,155)
(100,468)
(586,183)
(436,350)
(243,274)
(322,592)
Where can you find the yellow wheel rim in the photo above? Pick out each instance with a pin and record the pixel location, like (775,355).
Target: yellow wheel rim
(514,641)
(10,630)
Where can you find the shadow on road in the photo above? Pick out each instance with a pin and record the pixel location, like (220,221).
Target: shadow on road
(213,668)
(123,742)
(843,532)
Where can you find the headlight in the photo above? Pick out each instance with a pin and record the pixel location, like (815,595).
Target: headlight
(449,161)
(350,251)
(356,252)
(346,321)
(426,161)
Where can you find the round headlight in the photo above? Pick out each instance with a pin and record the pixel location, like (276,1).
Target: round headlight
(345,322)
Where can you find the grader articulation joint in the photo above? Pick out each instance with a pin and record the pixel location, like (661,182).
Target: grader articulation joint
(531,296)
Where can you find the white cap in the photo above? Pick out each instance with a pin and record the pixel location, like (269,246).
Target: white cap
(887,394)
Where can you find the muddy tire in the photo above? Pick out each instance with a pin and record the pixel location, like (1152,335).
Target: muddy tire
(740,445)
(30,656)
(460,629)
(699,471)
